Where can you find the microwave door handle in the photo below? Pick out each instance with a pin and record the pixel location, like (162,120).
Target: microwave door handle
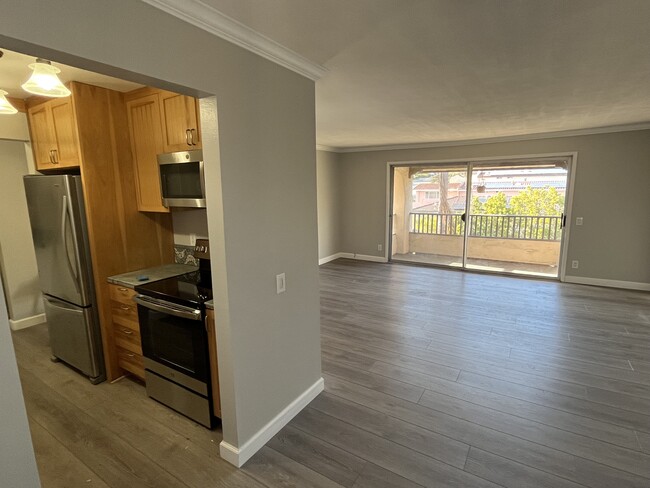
(163,307)
(64,239)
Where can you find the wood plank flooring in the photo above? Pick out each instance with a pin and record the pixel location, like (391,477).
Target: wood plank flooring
(433,378)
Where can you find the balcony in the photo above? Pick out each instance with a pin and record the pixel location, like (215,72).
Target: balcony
(521,244)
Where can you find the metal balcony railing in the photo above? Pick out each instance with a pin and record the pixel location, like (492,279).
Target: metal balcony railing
(529,227)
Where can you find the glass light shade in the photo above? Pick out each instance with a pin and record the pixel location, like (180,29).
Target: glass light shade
(5,106)
(44,81)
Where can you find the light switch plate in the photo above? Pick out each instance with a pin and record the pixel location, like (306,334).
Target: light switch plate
(280,283)
(578,220)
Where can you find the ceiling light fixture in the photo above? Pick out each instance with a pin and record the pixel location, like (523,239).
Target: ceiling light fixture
(44,80)
(6,107)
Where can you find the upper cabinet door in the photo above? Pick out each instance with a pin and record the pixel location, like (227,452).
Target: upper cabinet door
(54,135)
(65,133)
(42,136)
(146,144)
(181,128)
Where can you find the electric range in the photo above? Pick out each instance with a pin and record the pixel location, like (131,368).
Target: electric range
(175,341)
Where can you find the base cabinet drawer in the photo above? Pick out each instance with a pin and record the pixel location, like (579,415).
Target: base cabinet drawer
(127,338)
(122,294)
(130,361)
(125,315)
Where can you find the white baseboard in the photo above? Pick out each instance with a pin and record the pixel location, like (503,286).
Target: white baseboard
(328,259)
(238,456)
(27,322)
(627,285)
(351,255)
(363,257)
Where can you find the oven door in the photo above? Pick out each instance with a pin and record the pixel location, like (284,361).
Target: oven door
(173,336)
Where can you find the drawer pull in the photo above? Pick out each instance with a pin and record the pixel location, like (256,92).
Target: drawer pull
(130,354)
(124,307)
(127,331)
(122,289)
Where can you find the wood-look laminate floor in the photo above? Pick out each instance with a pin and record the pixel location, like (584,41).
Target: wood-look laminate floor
(432,378)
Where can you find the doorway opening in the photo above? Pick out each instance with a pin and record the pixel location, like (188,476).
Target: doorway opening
(501,216)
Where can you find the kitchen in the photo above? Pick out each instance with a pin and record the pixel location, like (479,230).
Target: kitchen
(261,142)
(106,220)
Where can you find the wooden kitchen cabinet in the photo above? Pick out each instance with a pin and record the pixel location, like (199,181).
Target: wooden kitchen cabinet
(90,131)
(146,137)
(126,330)
(180,122)
(214,367)
(53,130)
(159,122)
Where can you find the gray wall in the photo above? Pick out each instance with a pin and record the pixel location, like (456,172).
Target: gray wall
(611,193)
(269,345)
(17,462)
(329,203)
(17,258)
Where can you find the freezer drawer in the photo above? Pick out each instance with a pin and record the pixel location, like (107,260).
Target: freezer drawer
(74,336)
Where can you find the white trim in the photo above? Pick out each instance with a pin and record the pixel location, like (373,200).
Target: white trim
(352,255)
(210,19)
(320,147)
(27,322)
(363,257)
(627,285)
(331,258)
(493,140)
(568,213)
(239,455)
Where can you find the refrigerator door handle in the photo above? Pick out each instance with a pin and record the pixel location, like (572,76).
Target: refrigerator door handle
(60,304)
(64,236)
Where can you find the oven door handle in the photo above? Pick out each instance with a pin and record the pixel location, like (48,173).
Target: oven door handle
(166,307)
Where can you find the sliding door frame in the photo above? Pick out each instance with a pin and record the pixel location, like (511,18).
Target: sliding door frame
(572,162)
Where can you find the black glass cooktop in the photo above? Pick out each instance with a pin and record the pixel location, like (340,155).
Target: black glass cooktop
(190,289)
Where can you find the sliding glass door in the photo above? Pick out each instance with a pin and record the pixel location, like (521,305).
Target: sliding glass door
(503,216)
(429,214)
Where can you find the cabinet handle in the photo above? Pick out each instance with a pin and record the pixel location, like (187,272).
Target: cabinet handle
(123,289)
(188,137)
(124,307)
(51,156)
(131,355)
(56,156)
(192,131)
(127,331)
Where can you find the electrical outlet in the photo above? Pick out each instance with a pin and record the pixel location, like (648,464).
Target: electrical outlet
(575,264)
(578,220)
(280,283)
(380,247)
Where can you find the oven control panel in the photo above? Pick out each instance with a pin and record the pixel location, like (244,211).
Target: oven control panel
(202,249)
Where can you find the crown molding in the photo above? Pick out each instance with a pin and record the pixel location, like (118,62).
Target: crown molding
(492,140)
(209,19)
(320,147)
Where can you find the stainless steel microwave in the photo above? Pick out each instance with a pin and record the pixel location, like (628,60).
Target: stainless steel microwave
(181,179)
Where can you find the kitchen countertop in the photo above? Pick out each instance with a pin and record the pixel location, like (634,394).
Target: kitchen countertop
(130,280)
(209,304)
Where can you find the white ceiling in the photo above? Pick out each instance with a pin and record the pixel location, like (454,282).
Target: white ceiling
(14,72)
(415,71)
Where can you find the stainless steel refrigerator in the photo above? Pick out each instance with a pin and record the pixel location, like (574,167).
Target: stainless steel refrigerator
(58,221)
